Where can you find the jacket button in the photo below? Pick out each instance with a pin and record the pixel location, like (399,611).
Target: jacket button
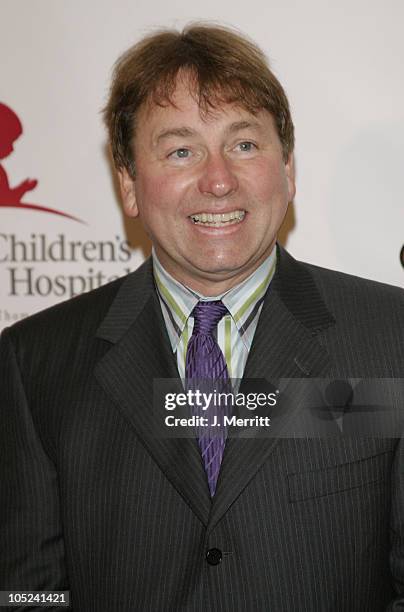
(214,556)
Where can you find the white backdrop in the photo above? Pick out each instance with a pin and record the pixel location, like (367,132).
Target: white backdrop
(340,63)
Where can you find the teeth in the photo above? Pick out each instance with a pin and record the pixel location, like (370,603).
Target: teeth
(219,219)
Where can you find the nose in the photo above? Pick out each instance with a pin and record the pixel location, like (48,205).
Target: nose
(218,178)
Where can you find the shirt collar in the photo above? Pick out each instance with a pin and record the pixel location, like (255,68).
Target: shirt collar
(242,301)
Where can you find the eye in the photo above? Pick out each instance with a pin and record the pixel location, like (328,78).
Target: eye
(180,153)
(246,146)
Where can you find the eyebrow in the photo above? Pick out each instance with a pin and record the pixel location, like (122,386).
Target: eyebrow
(182,132)
(237,126)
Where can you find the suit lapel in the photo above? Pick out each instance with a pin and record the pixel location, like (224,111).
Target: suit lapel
(284,346)
(142,353)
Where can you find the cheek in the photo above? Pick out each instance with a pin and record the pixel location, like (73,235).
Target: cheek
(269,183)
(149,191)
(161,190)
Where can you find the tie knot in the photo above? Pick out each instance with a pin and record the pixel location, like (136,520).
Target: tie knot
(207,315)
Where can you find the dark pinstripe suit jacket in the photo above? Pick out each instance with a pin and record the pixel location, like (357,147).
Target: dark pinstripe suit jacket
(92,502)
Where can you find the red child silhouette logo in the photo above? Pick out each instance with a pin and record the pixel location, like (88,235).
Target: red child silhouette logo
(10,130)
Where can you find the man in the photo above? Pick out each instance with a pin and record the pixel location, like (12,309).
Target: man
(93,500)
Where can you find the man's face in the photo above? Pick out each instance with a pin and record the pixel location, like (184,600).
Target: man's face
(211,191)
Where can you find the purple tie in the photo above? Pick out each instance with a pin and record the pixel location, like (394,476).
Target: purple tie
(205,361)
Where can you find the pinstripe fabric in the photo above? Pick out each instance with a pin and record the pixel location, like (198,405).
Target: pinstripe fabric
(235,332)
(93,501)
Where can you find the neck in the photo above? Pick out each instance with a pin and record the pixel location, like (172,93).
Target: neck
(214,284)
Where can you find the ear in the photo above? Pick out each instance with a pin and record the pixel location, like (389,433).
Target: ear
(128,194)
(290,176)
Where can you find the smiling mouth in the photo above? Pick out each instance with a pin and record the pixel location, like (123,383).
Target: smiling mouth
(218,219)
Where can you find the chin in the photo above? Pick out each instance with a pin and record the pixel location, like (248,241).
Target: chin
(224,268)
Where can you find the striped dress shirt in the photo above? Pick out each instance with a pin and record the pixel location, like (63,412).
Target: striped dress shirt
(235,332)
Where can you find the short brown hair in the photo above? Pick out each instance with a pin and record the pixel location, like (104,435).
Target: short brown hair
(223,65)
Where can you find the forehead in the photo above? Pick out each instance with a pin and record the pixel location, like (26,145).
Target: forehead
(184,110)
